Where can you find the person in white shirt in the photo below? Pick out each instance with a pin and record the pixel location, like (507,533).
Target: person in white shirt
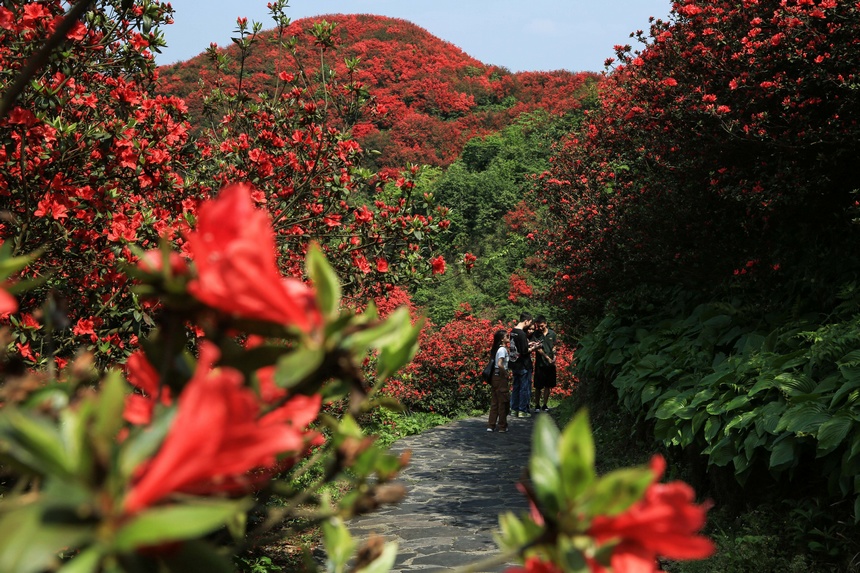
(500,382)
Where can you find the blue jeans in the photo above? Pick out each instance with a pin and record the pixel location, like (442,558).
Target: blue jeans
(521,393)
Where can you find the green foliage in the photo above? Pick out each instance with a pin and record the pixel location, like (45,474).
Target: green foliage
(772,398)
(486,185)
(389,426)
(493,172)
(749,549)
(257,564)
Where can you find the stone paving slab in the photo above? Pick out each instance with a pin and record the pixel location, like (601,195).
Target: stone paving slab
(459,479)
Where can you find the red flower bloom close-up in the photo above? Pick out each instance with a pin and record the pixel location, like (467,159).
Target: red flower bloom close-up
(664,522)
(233,248)
(438,265)
(219,442)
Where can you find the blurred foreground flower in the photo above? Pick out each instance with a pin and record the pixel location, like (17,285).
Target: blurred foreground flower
(233,248)
(664,522)
(8,304)
(218,441)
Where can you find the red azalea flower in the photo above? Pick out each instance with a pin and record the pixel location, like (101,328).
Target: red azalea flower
(438,265)
(233,248)
(26,352)
(535,565)
(8,304)
(141,375)
(469,261)
(664,522)
(219,442)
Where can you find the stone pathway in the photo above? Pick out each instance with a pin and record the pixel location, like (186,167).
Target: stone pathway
(460,478)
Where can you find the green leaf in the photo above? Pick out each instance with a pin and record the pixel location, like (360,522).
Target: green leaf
(769,416)
(111,403)
(832,432)
(34,442)
(325,282)
(87,561)
(383,333)
(650,392)
(844,389)
(547,483)
(617,491)
(737,402)
(338,542)
(31,536)
(712,428)
(177,522)
(572,557)
(803,419)
(515,533)
(10,265)
(782,454)
(298,365)
(795,384)
(545,440)
(670,407)
(722,452)
(399,351)
(577,456)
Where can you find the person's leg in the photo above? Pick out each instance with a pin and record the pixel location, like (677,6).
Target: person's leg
(527,384)
(538,386)
(521,400)
(515,393)
(504,397)
(494,403)
(550,383)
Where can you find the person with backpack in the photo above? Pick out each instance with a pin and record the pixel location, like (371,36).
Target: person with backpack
(500,383)
(519,361)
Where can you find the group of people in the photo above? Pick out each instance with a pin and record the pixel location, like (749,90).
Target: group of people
(524,355)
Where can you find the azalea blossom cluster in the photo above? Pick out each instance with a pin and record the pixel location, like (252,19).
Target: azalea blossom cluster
(95,163)
(422,108)
(714,142)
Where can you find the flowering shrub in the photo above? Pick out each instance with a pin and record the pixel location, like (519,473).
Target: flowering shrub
(426,97)
(721,141)
(445,376)
(143,481)
(95,164)
(142,475)
(90,162)
(170,463)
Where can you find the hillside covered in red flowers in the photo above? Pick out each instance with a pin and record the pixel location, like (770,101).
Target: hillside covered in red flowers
(427,97)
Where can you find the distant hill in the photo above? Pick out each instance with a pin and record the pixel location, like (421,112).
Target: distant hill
(430,97)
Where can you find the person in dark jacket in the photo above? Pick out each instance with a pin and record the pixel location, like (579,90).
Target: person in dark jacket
(545,371)
(519,359)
